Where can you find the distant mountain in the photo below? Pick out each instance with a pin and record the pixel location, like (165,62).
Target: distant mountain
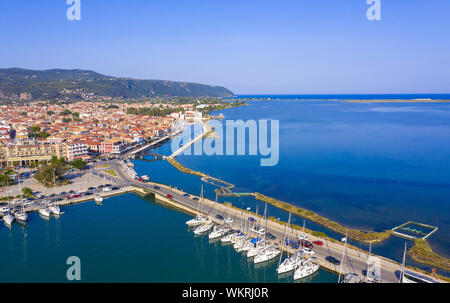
(16,83)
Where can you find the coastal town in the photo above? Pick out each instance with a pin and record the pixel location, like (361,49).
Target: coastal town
(33,133)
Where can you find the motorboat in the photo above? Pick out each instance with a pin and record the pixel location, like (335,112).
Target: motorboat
(305,269)
(98,199)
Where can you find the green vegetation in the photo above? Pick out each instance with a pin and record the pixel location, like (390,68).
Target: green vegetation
(352,233)
(79,164)
(53,172)
(111,172)
(5,177)
(155,112)
(35,132)
(422,253)
(27,192)
(83,84)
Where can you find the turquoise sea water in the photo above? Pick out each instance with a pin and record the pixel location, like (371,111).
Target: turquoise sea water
(127,239)
(366,165)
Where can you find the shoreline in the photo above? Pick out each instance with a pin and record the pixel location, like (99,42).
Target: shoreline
(416,252)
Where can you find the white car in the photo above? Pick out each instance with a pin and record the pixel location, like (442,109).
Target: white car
(308,251)
(107,189)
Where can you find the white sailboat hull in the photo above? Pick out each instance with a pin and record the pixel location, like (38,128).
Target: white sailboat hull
(306,269)
(266,256)
(8,220)
(202,229)
(45,212)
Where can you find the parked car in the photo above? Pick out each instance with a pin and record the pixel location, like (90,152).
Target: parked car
(157,187)
(186,195)
(306,244)
(308,251)
(169,196)
(106,189)
(219,217)
(195,199)
(76,196)
(333,260)
(318,243)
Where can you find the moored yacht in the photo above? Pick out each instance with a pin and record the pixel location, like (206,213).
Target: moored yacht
(54,209)
(290,264)
(267,254)
(203,228)
(305,269)
(198,220)
(45,212)
(8,219)
(21,216)
(219,231)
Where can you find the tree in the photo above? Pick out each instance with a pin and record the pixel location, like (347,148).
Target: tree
(79,164)
(56,169)
(27,192)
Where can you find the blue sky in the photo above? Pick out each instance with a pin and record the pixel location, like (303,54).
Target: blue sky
(283,46)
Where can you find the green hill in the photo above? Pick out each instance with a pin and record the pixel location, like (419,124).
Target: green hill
(89,85)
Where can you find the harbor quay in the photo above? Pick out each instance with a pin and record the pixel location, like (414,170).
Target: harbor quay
(356,260)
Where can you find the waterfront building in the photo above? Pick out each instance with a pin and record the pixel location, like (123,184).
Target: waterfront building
(76,149)
(113,147)
(31,151)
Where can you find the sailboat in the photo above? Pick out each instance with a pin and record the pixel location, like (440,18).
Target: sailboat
(206,226)
(199,219)
(305,269)
(8,219)
(98,199)
(21,216)
(291,262)
(303,236)
(54,207)
(267,253)
(262,244)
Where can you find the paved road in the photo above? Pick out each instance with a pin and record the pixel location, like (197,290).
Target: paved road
(357,261)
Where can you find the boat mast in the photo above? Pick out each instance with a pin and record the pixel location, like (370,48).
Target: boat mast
(400,280)
(370,251)
(20,186)
(343,255)
(265,217)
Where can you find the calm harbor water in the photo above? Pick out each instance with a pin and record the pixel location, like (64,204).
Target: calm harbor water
(366,165)
(127,239)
